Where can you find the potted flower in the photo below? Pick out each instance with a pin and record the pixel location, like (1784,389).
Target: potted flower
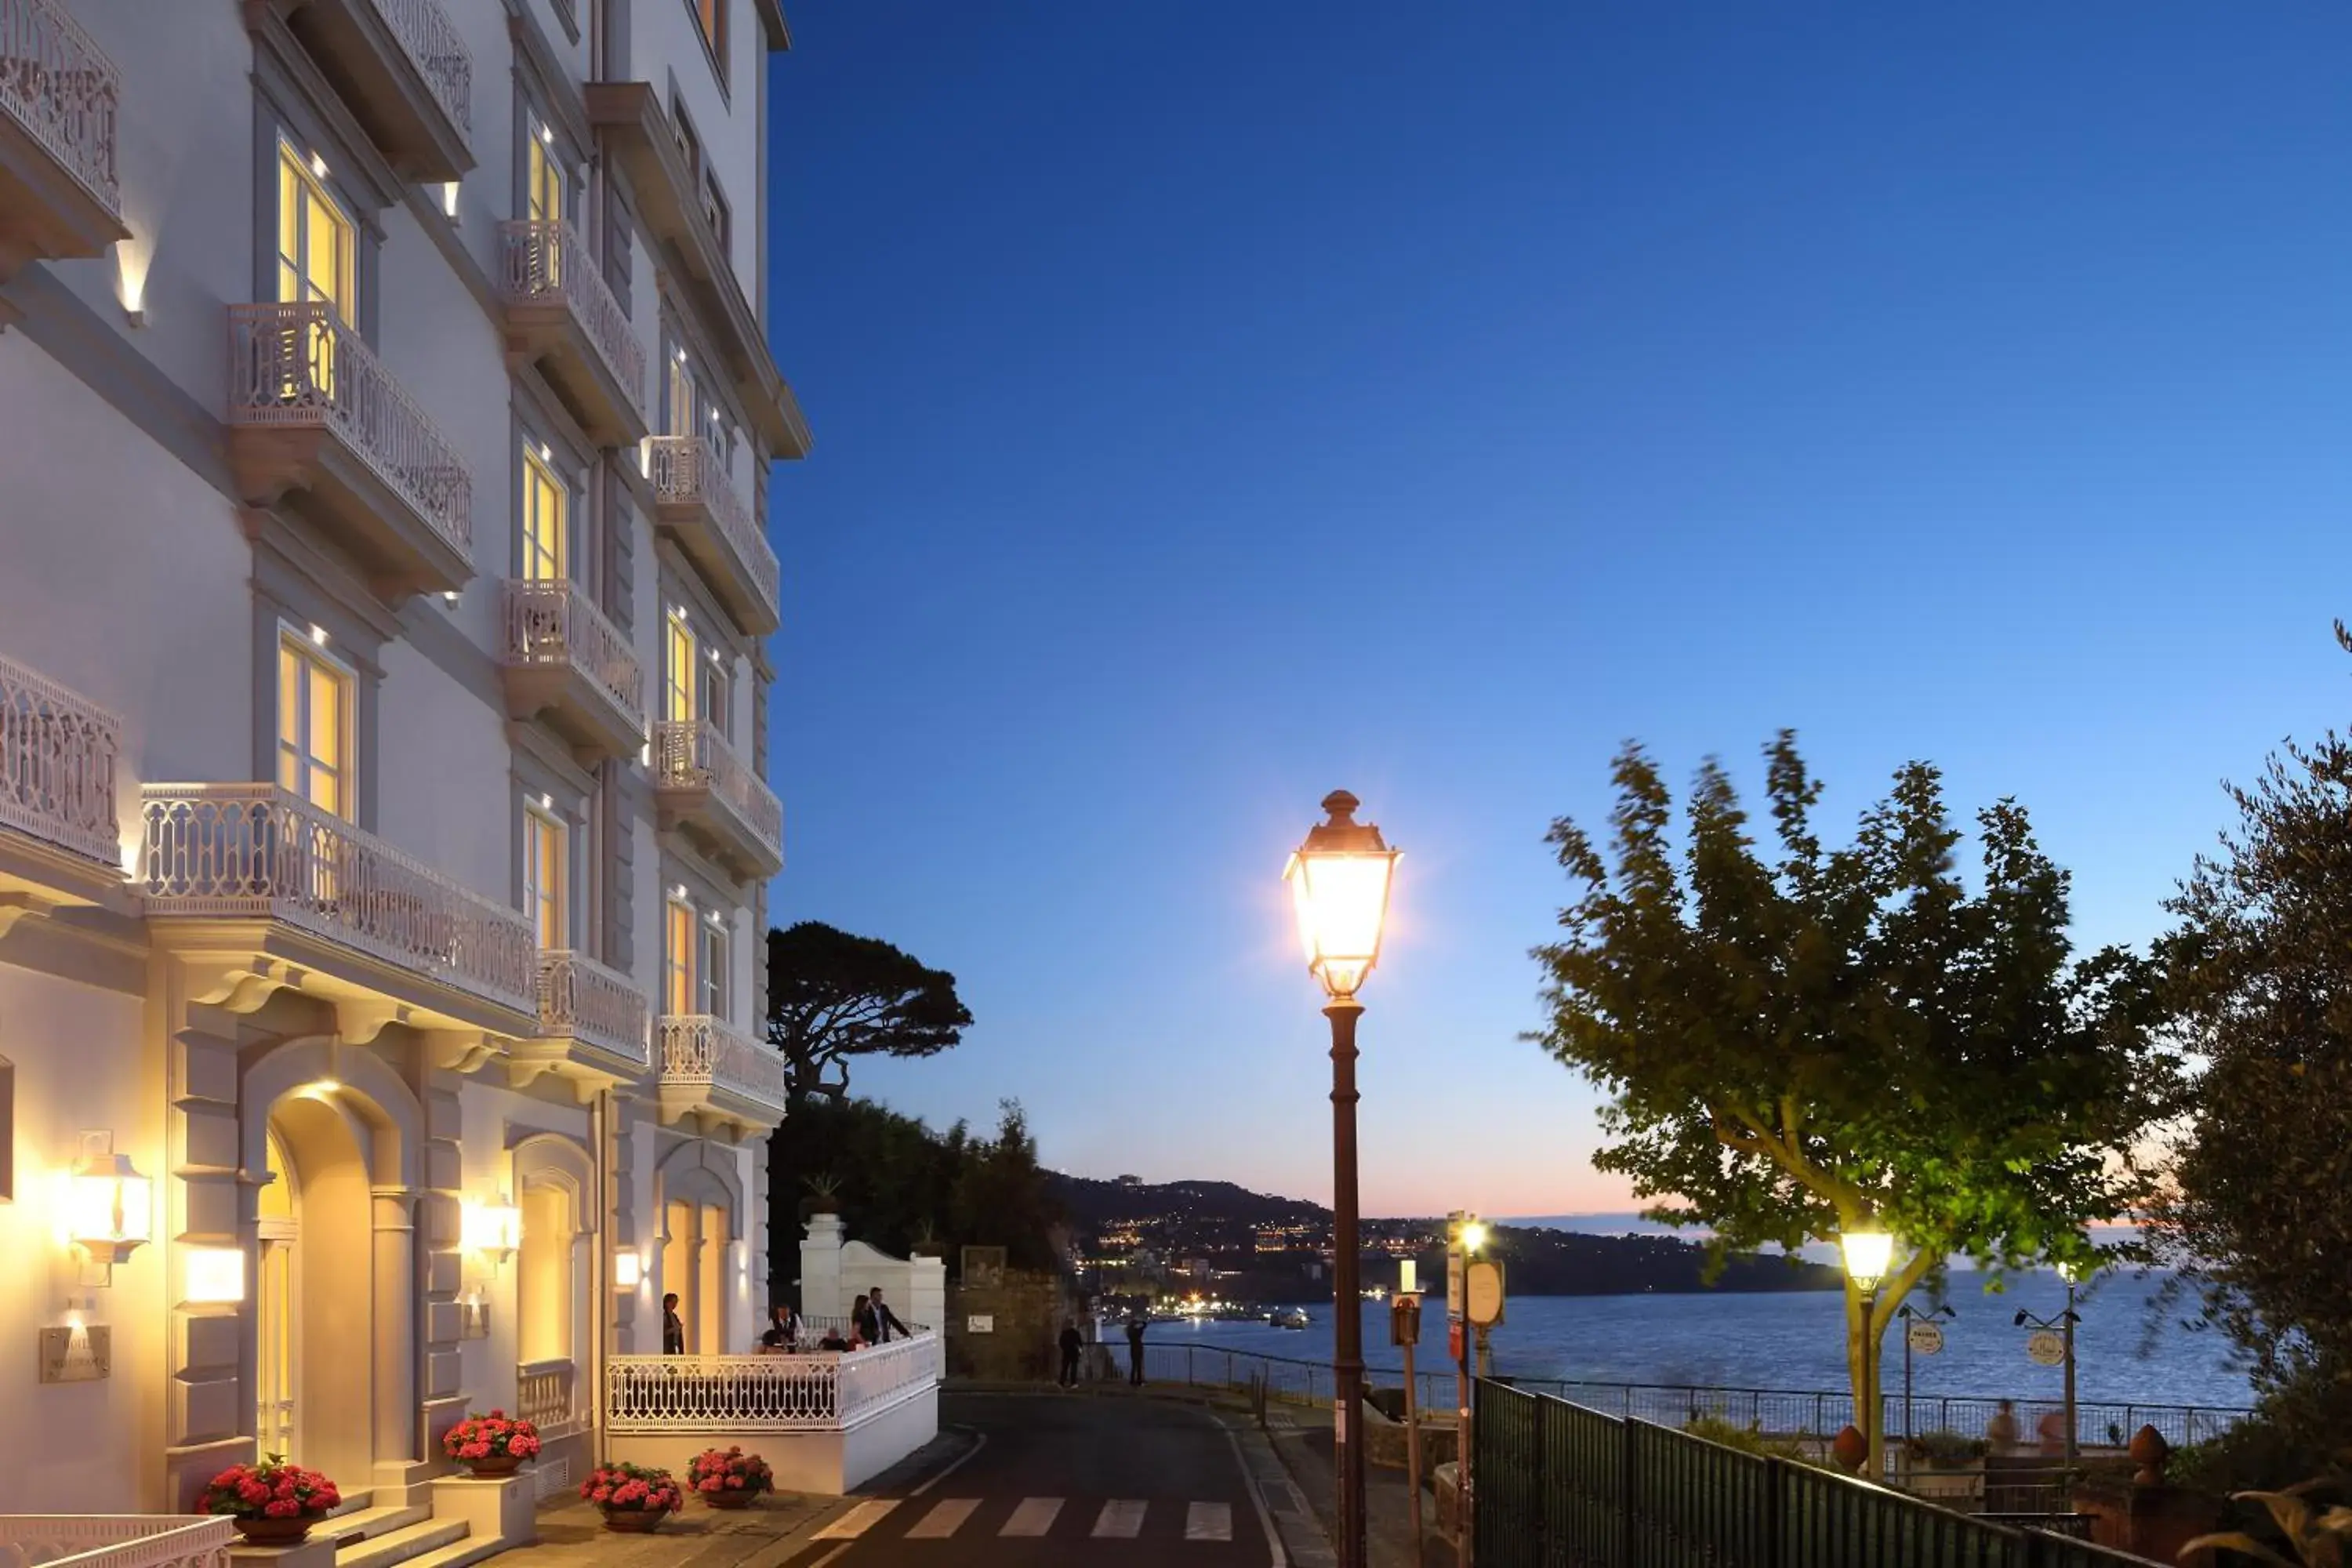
(273,1502)
(729,1477)
(631,1497)
(492,1444)
(823,1190)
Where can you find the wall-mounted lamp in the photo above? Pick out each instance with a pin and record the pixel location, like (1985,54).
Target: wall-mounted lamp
(109,1208)
(473,1316)
(628,1269)
(215,1276)
(449,199)
(492,1229)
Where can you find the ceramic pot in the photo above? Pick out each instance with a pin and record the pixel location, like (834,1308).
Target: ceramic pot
(267,1531)
(632,1521)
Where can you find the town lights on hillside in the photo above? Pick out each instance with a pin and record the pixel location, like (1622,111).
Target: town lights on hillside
(1340,884)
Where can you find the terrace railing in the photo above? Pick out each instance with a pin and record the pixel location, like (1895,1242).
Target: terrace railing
(579,998)
(431,40)
(827,1391)
(692,754)
(58,754)
(63,90)
(548,260)
(698,1051)
(685,470)
(115,1540)
(556,622)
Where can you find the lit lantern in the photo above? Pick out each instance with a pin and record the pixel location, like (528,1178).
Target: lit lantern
(1868,1251)
(109,1208)
(495,1229)
(1340,881)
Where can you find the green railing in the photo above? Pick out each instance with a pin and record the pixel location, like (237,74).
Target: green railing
(1559,1485)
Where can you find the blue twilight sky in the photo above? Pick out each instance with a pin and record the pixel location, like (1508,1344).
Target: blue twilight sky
(1218,404)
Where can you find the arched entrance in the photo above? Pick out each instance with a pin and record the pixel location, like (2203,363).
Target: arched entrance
(315,1322)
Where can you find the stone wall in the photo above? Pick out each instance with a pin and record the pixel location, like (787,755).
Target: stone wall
(1025,1315)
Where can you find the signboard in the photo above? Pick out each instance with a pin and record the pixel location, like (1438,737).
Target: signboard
(983,1267)
(1404,1321)
(76,1355)
(1454,1292)
(1925,1339)
(2045,1347)
(980,1323)
(1483,1298)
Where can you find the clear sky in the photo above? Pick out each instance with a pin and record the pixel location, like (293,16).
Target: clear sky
(1218,404)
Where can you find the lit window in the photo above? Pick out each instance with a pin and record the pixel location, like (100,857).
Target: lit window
(678,958)
(543,874)
(710,20)
(680,398)
(315,237)
(542,175)
(314,725)
(679,674)
(544,499)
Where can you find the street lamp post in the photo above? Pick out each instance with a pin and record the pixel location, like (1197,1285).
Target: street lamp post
(1867,1251)
(2064,1324)
(1340,881)
(1911,1315)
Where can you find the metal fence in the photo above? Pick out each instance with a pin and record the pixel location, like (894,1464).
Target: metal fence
(1561,1486)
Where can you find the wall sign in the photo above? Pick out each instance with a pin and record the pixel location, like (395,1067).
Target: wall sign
(2045,1347)
(77,1355)
(1925,1339)
(980,1323)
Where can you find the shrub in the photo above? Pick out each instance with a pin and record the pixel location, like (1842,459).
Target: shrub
(1749,1439)
(729,1471)
(497,1436)
(271,1489)
(1947,1448)
(633,1488)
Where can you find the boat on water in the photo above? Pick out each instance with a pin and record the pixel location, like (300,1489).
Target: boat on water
(1289,1318)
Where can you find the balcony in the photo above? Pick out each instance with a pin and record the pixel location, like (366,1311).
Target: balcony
(560,316)
(695,501)
(404,71)
(546,1396)
(702,786)
(720,1080)
(117,1541)
(593,1023)
(318,422)
(565,664)
(58,840)
(58,95)
(272,892)
(638,130)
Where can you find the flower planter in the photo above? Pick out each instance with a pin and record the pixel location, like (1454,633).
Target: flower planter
(267,1531)
(501,1465)
(729,1500)
(633,1521)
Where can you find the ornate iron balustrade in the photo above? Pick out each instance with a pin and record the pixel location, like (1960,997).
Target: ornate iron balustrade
(431,40)
(543,1396)
(115,1540)
(557,622)
(692,754)
(63,90)
(824,1392)
(549,261)
(685,470)
(244,851)
(579,998)
(698,1049)
(302,366)
(57,764)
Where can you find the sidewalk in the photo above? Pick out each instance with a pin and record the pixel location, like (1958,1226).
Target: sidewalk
(1302,1436)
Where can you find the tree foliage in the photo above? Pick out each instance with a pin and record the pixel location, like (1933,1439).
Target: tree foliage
(832,995)
(1799,1044)
(2255,1217)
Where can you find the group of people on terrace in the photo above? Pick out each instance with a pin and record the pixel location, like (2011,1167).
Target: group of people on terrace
(870,1322)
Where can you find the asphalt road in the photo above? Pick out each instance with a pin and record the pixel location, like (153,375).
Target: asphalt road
(1107,1481)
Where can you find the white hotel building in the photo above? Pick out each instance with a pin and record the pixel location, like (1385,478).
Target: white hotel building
(386,412)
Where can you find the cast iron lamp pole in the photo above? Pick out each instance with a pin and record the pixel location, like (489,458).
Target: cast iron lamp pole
(1340,880)
(1867,1251)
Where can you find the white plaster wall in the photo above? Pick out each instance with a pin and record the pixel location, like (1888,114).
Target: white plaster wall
(665,47)
(124,577)
(183,156)
(72,1447)
(445,792)
(495,1119)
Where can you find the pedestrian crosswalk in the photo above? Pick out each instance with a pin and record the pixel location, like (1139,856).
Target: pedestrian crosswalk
(1108,1518)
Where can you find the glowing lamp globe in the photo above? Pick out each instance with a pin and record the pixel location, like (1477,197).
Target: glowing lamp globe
(1867,1254)
(1339,882)
(108,1206)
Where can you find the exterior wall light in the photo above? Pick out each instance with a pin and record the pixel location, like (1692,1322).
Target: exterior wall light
(212,1276)
(628,1269)
(109,1208)
(492,1229)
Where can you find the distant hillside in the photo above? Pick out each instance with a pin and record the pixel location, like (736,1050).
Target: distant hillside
(1091,1203)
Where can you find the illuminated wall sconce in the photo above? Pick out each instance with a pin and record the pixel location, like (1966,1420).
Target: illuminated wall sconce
(472,1315)
(214,1275)
(494,1230)
(109,1208)
(628,1269)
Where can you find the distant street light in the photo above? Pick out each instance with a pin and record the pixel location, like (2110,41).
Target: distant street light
(1868,1251)
(1473,1237)
(1339,880)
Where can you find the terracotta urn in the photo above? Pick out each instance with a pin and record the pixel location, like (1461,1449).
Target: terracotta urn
(264,1531)
(730,1499)
(1851,1449)
(496,1465)
(633,1521)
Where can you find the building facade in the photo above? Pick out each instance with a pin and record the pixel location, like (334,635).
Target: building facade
(387,413)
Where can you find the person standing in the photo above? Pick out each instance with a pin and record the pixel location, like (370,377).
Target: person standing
(862,1326)
(2001,1432)
(673,1327)
(884,1319)
(1072,1346)
(1135,1324)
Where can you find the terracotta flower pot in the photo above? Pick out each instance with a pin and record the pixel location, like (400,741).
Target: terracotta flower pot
(497,1465)
(729,1499)
(267,1531)
(632,1521)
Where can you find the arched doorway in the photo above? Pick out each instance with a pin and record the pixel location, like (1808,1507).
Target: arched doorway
(315,1321)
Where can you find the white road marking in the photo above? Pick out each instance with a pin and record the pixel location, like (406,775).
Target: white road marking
(945,1518)
(1033,1517)
(1121,1520)
(1281,1559)
(1209,1521)
(858,1520)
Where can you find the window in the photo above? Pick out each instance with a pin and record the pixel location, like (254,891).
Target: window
(678,958)
(8,1130)
(714,207)
(712,968)
(314,724)
(543,1277)
(543,874)
(681,399)
(316,239)
(678,671)
(710,21)
(717,684)
(545,555)
(690,146)
(543,178)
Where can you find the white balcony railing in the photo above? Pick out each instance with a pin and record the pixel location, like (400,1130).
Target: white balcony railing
(692,754)
(579,998)
(698,1051)
(556,622)
(432,41)
(823,1391)
(544,1397)
(252,851)
(303,366)
(684,469)
(550,261)
(115,1540)
(57,764)
(63,90)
